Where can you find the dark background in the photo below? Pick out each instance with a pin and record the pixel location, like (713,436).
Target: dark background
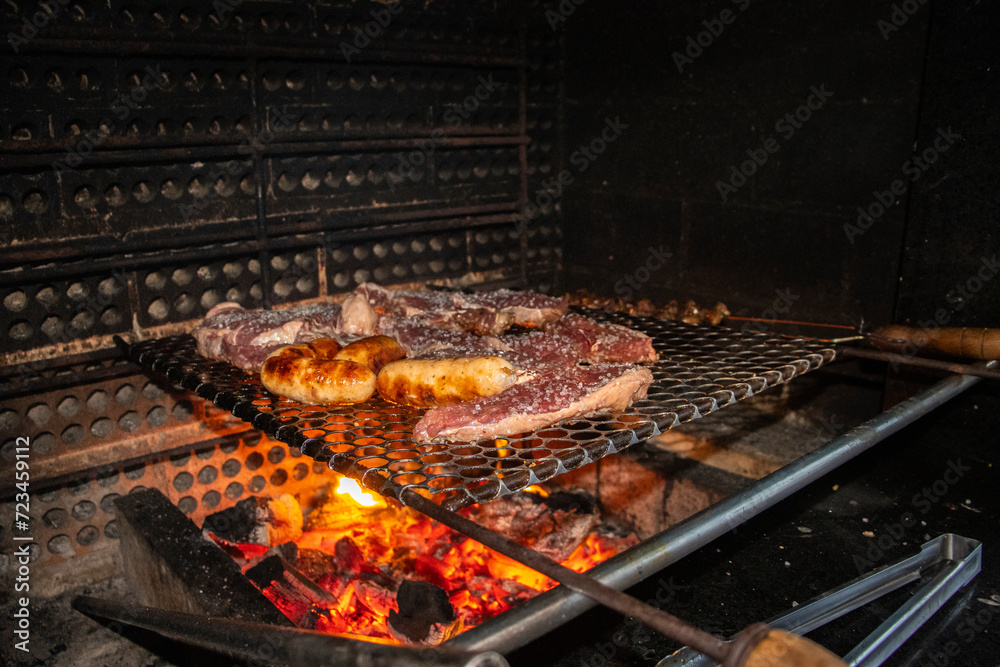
(784,229)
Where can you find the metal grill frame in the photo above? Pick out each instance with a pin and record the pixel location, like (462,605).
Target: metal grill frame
(701,369)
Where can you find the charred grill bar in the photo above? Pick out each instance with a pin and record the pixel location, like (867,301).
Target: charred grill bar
(157,159)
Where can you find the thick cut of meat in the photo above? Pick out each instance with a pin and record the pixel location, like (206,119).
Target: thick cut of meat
(482,321)
(422,341)
(444,310)
(527,309)
(245,338)
(484,313)
(602,341)
(556,393)
(529,350)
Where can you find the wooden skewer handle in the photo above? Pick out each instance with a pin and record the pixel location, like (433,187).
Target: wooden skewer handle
(964,342)
(783,649)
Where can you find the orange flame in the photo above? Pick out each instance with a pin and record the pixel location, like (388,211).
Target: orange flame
(372,548)
(353,490)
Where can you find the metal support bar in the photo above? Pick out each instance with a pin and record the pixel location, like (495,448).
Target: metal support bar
(545,612)
(263,644)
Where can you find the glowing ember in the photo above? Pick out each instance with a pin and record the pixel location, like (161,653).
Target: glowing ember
(351,488)
(359,549)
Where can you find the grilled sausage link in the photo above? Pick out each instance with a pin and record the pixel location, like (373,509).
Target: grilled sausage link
(430,382)
(307,373)
(374,352)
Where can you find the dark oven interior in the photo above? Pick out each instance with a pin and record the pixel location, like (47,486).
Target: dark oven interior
(821,162)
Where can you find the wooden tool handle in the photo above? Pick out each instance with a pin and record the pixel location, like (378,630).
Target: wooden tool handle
(783,649)
(964,342)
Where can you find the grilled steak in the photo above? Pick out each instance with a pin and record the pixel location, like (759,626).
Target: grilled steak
(602,341)
(424,341)
(556,393)
(244,338)
(527,309)
(551,385)
(483,313)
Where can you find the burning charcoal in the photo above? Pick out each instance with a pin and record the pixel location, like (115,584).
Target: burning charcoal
(314,563)
(257,520)
(292,592)
(519,517)
(425,614)
(570,532)
(379,600)
(289,551)
(349,556)
(569,501)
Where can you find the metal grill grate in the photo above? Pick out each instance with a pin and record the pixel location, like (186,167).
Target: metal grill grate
(700,370)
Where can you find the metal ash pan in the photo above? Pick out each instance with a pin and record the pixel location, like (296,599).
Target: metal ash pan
(700,369)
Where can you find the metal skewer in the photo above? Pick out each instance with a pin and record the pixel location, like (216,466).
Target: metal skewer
(756,645)
(921,362)
(879,339)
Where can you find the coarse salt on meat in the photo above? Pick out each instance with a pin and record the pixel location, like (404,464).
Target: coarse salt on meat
(245,338)
(420,340)
(603,341)
(554,394)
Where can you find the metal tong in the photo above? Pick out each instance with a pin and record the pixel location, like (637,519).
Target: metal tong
(962,559)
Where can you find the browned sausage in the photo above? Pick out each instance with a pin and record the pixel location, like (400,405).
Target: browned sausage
(429,382)
(374,352)
(307,373)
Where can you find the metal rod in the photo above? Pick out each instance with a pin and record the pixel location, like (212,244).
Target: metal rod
(922,362)
(176,45)
(667,624)
(263,644)
(547,611)
(117,150)
(373,227)
(805,324)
